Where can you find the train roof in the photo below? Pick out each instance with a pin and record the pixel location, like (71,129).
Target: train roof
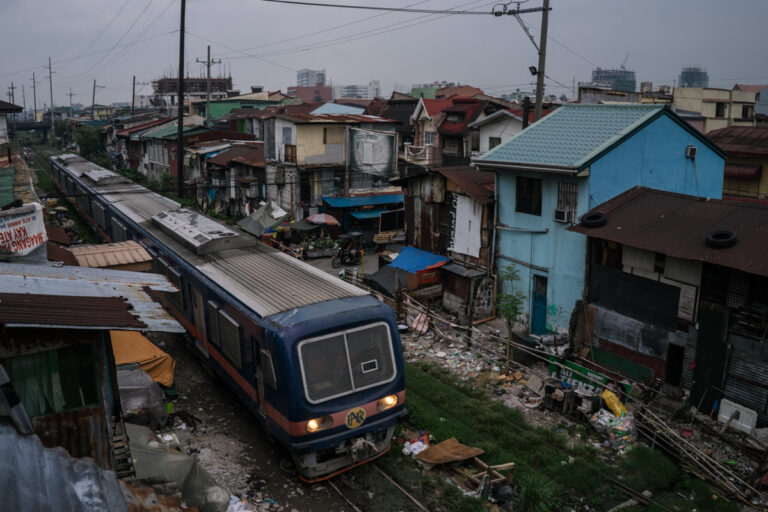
(266,280)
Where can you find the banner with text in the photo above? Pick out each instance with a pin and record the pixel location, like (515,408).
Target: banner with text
(22,230)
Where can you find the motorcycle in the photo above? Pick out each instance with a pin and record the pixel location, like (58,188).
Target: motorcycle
(346,256)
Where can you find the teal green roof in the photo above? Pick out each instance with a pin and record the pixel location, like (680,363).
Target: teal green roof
(170,131)
(573,135)
(7,175)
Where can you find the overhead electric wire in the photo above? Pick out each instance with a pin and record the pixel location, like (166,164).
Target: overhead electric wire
(329,29)
(240,51)
(379,8)
(360,35)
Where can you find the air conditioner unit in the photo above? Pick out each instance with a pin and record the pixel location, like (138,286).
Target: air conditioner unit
(690,152)
(563,216)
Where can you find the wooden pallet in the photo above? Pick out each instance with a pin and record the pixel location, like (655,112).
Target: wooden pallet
(473,470)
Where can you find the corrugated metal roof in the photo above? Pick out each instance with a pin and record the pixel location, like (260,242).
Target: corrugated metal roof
(677,225)
(476,184)
(750,87)
(269,281)
(248,154)
(39,478)
(572,135)
(742,171)
(337,108)
(350,202)
(36,310)
(9,108)
(125,132)
(742,141)
(171,130)
(110,255)
(333,118)
(90,282)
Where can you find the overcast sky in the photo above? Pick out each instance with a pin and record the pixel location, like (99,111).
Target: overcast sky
(265,43)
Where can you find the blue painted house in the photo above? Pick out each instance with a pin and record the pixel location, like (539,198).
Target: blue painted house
(572,160)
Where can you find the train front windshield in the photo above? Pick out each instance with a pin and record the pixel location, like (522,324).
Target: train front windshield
(346,362)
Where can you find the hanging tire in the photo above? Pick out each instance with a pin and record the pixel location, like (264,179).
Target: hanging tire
(594,219)
(721,239)
(336,262)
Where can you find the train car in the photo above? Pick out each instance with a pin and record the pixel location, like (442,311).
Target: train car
(317,360)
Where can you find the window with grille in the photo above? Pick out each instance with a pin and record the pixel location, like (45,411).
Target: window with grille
(429,138)
(493,142)
(567,196)
(528,195)
(287,132)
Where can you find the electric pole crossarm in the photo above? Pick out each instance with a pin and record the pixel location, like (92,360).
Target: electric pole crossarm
(208,63)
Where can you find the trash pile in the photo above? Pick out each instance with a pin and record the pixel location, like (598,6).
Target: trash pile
(620,430)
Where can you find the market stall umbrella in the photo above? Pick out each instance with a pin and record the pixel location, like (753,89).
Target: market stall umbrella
(323,218)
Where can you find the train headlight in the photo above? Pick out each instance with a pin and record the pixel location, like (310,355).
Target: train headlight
(317,424)
(387,402)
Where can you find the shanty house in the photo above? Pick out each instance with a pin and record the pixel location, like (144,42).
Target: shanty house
(311,156)
(5,109)
(235,181)
(676,290)
(56,350)
(449,211)
(575,158)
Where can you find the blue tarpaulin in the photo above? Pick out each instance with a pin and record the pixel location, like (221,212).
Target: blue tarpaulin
(414,260)
(367,214)
(350,202)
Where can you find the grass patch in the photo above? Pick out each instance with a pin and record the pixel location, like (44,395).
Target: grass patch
(547,470)
(648,469)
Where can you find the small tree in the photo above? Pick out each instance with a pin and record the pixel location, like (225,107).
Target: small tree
(510,305)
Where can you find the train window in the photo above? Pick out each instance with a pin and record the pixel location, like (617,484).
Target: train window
(99,214)
(229,333)
(268,368)
(213,321)
(119,233)
(174,276)
(343,363)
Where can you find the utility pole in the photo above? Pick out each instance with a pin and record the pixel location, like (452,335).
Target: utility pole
(208,62)
(12,96)
(93,100)
(34,98)
(70,94)
(50,83)
(180,104)
(133,95)
(24,101)
(542,61)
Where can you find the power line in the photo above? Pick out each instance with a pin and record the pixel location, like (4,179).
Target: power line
(404,9)
(361,35)
(239,51)
(329,29)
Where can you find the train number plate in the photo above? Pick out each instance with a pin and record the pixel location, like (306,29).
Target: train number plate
(355,418)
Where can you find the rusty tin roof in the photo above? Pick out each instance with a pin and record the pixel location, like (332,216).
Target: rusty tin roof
(80,282)
(677,225)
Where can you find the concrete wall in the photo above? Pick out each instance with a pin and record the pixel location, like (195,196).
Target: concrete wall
(503,127)
(558,255)
(655,157)
(705,100)
(3,127)
(313,148)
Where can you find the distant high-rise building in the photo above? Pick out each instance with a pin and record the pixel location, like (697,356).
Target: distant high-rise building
(615,79)
(372,90)
(646,87)
(310,77)
(693,76)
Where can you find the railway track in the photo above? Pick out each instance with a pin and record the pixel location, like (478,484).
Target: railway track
(409,496)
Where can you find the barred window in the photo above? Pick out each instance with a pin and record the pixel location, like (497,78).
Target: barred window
(567,196)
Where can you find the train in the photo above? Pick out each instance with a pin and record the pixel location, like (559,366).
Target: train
(317,360)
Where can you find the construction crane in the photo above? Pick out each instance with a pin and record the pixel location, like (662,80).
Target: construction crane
(624,62)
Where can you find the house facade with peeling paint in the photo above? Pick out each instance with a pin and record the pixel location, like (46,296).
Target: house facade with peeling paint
(550,174)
